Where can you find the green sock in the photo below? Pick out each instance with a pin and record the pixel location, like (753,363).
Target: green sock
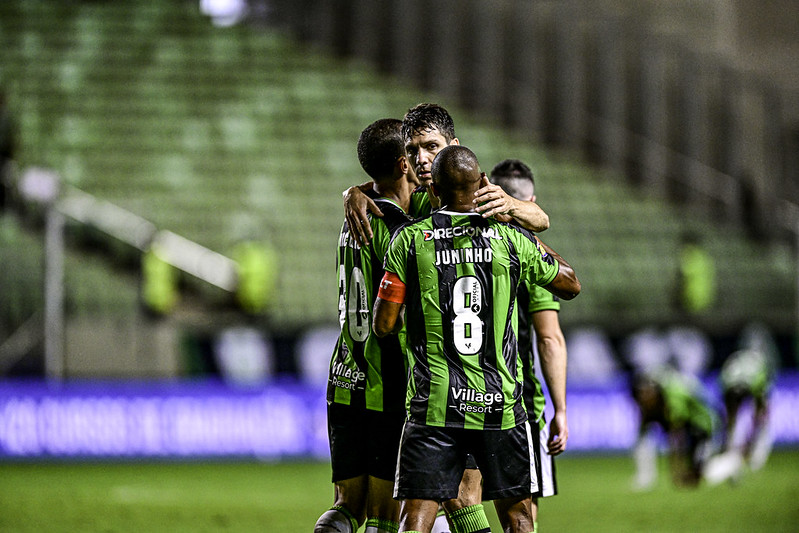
(470,519)
(378,525)
(346,512)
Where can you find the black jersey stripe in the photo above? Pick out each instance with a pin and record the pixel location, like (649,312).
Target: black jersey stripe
(447,275)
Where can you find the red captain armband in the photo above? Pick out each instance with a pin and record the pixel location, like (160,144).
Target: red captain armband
(392,289)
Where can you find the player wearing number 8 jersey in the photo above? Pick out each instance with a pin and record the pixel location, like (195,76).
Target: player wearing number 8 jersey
(460,308)
(457,274)
(366,384)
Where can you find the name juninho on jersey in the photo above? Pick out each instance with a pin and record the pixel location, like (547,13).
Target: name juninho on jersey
(464,255)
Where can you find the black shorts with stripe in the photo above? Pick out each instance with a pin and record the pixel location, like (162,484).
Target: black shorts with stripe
(432,461)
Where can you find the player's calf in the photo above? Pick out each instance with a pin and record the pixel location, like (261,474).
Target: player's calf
(336,520)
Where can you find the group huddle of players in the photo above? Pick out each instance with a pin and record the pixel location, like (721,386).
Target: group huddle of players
(433,400)
(434,404)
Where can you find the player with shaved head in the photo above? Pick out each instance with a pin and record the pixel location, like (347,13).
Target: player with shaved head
(457,274)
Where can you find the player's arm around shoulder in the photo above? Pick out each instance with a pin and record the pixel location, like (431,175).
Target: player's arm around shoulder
(492,201)
(356,205)
(565,284)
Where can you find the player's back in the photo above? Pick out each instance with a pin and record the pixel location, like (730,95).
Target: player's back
(462,272)
(366,370)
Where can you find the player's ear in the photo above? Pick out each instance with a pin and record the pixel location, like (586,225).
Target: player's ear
(454,141)
(403,165)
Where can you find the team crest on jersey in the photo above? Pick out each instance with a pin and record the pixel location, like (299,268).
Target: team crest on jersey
(460,231)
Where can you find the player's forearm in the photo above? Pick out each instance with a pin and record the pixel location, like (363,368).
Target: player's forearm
(364,187)
(552,353)
(529,215)
(387,317)
(565,285)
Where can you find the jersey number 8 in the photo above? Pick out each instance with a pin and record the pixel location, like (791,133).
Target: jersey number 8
(467,328)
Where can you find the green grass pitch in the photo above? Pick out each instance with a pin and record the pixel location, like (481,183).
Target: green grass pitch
(174,497)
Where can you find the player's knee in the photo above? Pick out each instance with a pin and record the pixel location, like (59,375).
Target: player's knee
(334,521)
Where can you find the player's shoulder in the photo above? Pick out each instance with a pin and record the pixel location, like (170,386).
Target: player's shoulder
(410,227)
(393,215)
(513,230)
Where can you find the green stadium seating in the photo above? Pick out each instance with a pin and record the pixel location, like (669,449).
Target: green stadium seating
(230,134)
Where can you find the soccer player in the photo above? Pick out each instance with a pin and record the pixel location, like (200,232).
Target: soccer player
(747,376)
(457,273)
(427,129)
(677,403)
(366,386)
(538,308)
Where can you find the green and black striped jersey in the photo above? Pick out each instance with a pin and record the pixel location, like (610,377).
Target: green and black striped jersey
(420,203)
(365,370)
(461,273)
(532,298)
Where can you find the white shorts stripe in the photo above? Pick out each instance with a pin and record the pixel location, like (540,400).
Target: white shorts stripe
(534,481)
(546,461)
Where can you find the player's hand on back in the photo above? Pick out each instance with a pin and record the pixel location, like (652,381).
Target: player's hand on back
(356,205)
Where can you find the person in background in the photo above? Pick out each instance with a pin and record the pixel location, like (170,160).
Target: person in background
(678,404)
(746,378)
(697,276)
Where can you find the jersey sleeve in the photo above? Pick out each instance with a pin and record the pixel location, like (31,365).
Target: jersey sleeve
(542,300)
(381,237)
(541,268)
(396,256)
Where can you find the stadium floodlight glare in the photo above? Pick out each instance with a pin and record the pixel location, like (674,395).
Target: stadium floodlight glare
(39,185)
(194,259)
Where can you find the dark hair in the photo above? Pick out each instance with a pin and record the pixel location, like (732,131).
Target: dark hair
(512,168)
(423,117)
(379,147)
(505,173)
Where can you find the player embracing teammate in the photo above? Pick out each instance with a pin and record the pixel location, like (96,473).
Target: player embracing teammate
(449,292)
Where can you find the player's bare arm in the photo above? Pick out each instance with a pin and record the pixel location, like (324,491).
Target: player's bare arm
(492,200)
(387,317)
(356,205)
(565,285)
(552,352)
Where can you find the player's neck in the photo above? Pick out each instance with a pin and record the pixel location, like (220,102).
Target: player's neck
(460,203)
(399,192)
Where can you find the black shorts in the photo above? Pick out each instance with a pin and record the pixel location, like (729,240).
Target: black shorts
(432,461)
(363,441)
(544,464)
